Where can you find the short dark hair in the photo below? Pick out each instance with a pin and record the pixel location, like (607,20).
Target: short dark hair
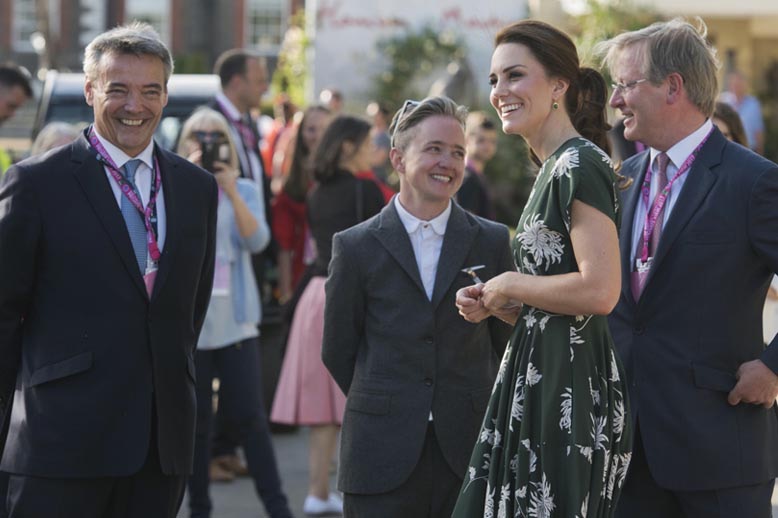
(13,75)
(232,63)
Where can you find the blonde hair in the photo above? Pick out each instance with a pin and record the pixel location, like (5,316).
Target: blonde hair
(207,116)
(412,113)
(670,47)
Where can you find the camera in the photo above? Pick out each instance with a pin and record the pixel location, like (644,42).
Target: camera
(214,146)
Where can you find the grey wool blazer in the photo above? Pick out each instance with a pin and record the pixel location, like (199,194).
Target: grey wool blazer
(397,355)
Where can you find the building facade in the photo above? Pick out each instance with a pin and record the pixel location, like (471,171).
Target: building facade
(43,34)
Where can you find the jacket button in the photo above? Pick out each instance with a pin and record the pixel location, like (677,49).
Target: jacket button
(428,382)
(639,330)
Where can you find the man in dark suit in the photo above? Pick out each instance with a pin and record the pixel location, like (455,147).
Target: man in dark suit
(243,78)
(106,265)
(698,254)
(416,375)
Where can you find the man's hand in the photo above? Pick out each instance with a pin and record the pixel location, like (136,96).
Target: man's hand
(469,304)
(756,384)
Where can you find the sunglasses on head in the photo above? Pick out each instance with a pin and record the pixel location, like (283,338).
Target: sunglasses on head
(408,106)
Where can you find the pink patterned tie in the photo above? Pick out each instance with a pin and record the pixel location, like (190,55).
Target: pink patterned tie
(638,279)
(661,182)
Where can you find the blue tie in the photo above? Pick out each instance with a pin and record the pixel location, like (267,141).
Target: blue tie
(135,225)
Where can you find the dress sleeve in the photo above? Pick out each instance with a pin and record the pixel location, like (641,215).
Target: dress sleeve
(585,173)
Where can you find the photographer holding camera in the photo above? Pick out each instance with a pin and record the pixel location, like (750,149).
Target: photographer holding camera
(227,348)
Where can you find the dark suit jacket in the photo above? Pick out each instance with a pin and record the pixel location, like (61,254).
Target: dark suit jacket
(397,355)
(699,318)
(90,356)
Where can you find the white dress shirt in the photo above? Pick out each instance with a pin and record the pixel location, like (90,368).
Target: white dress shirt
(427,239)
(678,155)
(142,182)
(249,159)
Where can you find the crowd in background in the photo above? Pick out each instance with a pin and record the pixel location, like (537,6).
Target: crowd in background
(287,184)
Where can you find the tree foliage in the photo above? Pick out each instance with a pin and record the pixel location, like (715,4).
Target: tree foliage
(604,20)
(413,56)
(291,74)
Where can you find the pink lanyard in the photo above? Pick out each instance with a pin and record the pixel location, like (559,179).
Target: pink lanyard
(150,213)
(652,215)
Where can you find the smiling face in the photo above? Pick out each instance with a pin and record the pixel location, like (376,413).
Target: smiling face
(642,104)
(521,91)
(127,96)
(431,166)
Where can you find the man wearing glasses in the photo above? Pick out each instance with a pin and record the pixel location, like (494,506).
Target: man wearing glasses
(417,376)
(699,248)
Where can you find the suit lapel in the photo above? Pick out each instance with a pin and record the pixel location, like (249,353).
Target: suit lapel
(696,187)
(457,242)
(90,175)
(391,233)
(170,186)
(632,196)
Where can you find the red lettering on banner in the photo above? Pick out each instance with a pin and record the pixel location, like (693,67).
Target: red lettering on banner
(329,15)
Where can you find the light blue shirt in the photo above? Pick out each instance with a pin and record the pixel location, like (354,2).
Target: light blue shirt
(142,182)
(750,112)
(235,309)
(678,155)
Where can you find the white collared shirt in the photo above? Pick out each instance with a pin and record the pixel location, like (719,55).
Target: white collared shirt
(427,239)
(249,161)
(142,181)
(678,155)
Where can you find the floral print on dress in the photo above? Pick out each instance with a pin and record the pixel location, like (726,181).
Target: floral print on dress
(559,398)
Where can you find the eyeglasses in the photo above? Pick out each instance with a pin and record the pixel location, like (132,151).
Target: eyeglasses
(408,106)
(622,88)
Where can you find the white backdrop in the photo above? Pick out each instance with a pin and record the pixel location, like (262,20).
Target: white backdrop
(344,33)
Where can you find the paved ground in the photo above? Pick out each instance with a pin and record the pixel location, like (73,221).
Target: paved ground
(238,499)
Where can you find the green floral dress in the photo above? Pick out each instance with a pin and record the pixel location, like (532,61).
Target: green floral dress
(556,438)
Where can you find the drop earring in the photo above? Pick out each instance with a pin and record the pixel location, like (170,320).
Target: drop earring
(555,105)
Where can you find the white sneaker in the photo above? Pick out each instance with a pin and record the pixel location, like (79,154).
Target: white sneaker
(315,506)
(335,502)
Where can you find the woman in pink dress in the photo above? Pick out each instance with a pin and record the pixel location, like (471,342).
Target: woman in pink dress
(306,394)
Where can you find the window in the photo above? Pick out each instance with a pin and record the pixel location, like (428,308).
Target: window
(266,21)
(23,24)
(154,12)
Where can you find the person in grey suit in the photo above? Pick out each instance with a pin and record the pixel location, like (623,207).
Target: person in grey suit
(688,323)
(417,376)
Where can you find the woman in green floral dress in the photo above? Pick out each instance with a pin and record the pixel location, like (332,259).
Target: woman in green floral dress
(556,437)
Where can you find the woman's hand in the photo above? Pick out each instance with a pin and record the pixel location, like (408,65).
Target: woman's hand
(493,295)
(227,179)
(468,302)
